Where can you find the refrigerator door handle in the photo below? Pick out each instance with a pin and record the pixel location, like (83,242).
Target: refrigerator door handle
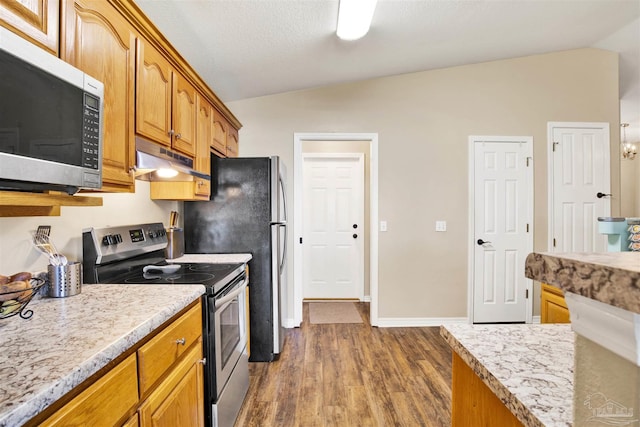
(284,251)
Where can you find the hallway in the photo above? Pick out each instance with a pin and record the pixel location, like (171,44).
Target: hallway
(352,375)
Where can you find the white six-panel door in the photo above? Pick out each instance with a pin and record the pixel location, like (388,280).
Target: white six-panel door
(502,227)
(579,154)
(333,215)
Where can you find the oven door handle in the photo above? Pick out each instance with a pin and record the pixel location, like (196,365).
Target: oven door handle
(229,297)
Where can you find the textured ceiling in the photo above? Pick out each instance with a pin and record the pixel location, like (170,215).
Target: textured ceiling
(249,48)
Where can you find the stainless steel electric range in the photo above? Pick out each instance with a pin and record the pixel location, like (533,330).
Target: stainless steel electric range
(134,254)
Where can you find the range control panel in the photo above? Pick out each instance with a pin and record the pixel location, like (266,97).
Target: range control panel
(111,243)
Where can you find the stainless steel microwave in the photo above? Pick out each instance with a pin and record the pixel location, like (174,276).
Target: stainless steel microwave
(50,121)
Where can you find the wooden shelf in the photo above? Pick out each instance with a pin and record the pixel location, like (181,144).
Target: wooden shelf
(14,203)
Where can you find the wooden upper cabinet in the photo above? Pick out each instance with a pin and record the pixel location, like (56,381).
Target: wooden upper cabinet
(184,115)
(220,129)
(232,142)
(165,102)
(154,77)
(34,20)
(100,42)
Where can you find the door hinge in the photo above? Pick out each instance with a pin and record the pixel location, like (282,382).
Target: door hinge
(527,228)
(301,240)
(526,294)
(529,158)
(554,145)
(554,242)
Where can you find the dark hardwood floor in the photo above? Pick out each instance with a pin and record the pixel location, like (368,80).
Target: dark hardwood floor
(352,375)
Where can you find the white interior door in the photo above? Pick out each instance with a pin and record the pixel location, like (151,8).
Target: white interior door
(502,228)
(333,215)
(580,169)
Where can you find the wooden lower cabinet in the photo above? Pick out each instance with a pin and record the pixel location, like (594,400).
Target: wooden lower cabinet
(106,402)
(473,403)
(134,421)
(179,399)
(171,378)
(553,307)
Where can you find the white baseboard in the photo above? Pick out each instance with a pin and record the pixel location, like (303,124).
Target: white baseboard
(289,323)
(367,298)
(400,322)
(535,319)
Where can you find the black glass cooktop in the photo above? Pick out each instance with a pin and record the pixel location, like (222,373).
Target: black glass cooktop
(213,276)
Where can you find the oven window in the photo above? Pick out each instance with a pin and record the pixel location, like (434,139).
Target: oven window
(229,330)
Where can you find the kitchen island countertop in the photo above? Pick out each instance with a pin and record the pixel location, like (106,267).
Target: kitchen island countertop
(69,339)
(609,277)
(212,258)
(528,367)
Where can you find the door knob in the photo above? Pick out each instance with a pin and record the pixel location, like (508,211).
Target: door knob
(601,195)
(355,236)
(482,242)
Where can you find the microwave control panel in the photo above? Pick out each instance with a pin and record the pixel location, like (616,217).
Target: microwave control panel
(91,132)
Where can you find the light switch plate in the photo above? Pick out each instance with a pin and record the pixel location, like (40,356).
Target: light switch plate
(441,225)
(383,225)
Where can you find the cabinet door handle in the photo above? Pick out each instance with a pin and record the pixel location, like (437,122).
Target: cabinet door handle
(203,361)
(178,136)
(171,132)
(181,341)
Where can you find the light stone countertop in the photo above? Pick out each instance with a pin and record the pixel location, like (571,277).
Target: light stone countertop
(69,339)
(609,277)
(212,258)
(528,367)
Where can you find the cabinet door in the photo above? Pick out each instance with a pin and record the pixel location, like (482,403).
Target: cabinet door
(179,399)
(100,42)
(203,145)
(153,94)
(553,308)
(184,115)
(92,407)
(232,142)
(35,20)
(220,127)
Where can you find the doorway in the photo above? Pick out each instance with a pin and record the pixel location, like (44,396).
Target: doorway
(501,228)
(579,185)
(304,142)
(333,226)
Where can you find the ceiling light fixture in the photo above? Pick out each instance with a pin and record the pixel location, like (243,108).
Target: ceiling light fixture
(629,151)
(354,18)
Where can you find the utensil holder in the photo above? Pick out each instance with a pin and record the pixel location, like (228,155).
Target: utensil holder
(64,280)
(175,243)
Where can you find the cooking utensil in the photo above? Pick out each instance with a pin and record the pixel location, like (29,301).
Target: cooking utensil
(173,219)
(44,244)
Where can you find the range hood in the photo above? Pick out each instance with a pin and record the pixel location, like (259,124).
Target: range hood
(158,163)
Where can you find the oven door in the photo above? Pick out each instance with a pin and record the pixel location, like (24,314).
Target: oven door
(230,331)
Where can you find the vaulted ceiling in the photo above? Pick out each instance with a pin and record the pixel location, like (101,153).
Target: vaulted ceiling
(250,48)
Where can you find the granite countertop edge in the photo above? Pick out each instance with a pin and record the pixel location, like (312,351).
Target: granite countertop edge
(515,406)
(55,388)
(611,278)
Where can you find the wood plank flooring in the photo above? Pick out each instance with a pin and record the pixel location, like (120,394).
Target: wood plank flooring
(352,375)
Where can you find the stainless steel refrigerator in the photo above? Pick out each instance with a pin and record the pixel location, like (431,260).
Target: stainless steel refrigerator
(247,214)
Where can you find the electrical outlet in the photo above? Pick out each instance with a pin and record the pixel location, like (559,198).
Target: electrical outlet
(383,225)
(441,225)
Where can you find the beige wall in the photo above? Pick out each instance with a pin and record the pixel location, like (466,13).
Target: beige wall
(630,188)
(18,254)
(423,121)
(351,147)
